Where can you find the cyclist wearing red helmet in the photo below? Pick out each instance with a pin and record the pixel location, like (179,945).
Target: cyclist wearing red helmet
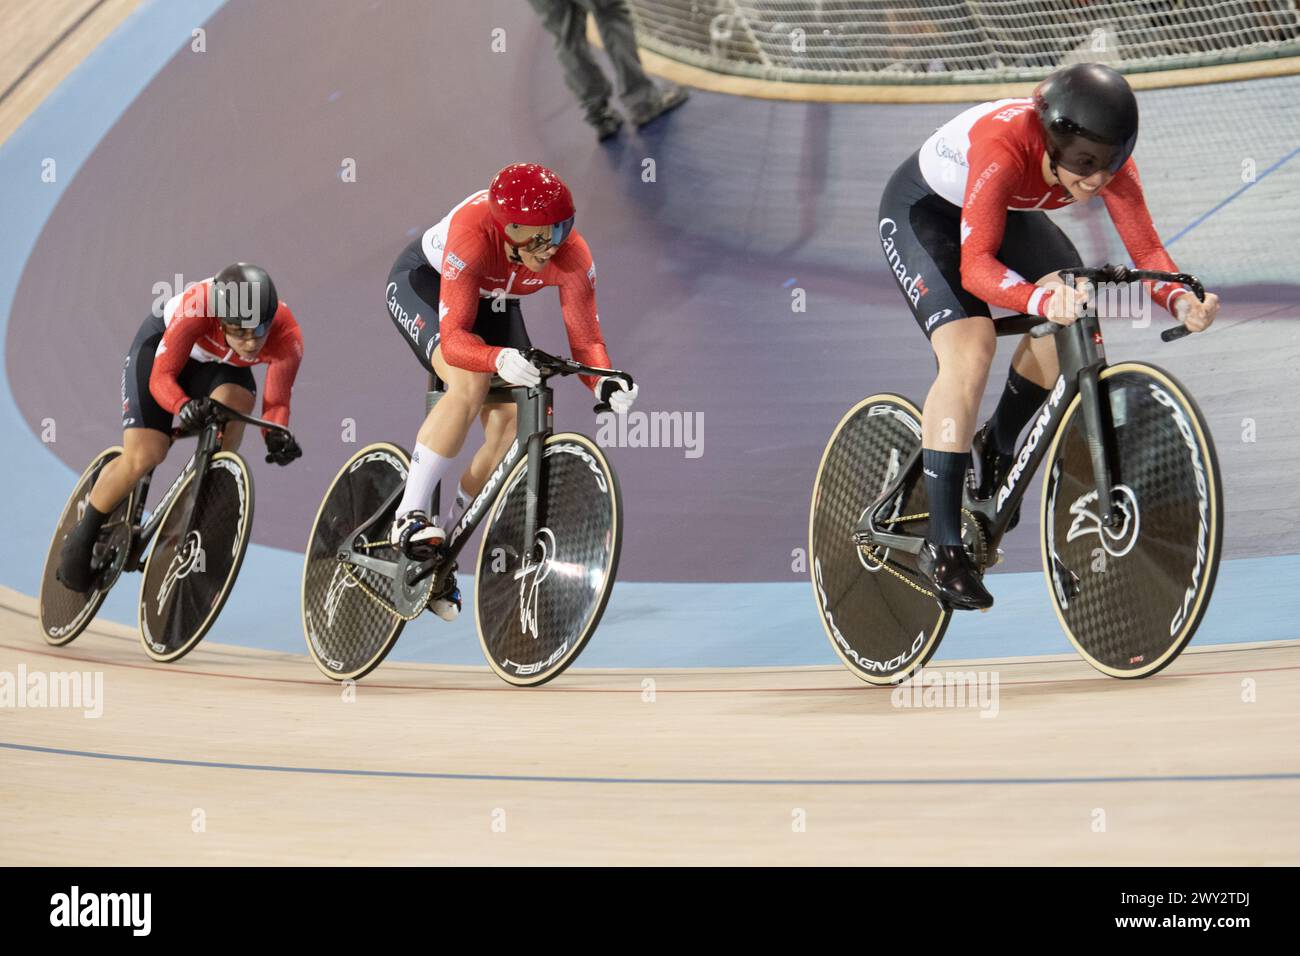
(203,344)
(454,295)
(962,228)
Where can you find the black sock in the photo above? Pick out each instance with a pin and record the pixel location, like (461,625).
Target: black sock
(945,475)
(1020,399)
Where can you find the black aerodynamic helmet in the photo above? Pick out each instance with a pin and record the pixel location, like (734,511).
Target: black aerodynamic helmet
(1089,116)
(244,295)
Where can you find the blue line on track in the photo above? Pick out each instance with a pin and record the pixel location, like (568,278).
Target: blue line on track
(1230,197)
(667,781)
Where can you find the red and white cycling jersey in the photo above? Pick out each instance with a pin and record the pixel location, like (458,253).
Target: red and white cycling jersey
(987,160)
(193,334)
(467,251)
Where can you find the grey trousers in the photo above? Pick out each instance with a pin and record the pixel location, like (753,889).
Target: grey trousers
(566,20)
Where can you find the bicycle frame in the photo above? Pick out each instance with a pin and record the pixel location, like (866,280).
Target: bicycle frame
(209,439)
(1082,357)
(534,426)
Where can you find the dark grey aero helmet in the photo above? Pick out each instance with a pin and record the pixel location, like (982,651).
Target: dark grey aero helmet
(244,295)
(1089,116)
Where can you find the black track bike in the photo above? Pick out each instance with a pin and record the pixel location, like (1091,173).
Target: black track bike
(547,557)
(1132,512)
(201,527)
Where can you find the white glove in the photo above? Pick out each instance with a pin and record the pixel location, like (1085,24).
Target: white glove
(517,370)
(621,398)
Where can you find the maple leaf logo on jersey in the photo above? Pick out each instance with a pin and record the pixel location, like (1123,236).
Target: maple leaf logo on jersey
(1010,279)
(591,275)
(452,265)
(965,230)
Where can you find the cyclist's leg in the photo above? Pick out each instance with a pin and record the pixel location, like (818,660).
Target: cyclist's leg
(1032,245)
(231,385)
(500,423)
(919,232)
(499,419)
(442,434)
(964,350)
(412,299)
(146,437)
(920,235)
(146,425)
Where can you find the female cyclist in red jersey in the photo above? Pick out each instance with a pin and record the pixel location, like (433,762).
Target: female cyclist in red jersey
(454,295)
(962,228)
(204,344)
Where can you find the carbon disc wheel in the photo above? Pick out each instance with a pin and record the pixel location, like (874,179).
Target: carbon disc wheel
(1130,597)
(64,613)
(877,610)
(536,607)
(347,616)
(193,565)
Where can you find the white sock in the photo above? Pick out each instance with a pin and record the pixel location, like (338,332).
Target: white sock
(427,468)
(456,508)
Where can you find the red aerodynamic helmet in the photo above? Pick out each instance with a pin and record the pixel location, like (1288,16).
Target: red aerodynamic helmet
(527,194)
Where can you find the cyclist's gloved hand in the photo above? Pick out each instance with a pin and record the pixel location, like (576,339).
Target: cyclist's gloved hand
(281,448)
(195,413)
(615,393)
(517,370)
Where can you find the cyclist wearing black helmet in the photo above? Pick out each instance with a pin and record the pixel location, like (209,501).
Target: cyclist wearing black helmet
(962,228)
(203,345)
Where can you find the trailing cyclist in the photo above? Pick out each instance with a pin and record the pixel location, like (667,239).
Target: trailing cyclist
(202,346)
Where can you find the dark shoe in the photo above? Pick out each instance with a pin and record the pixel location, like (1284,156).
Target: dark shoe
(606,122)
(993,469)
(74,571)
(954,577)
(665,98)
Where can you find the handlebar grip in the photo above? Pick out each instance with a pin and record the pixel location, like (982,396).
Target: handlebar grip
(601,407)
(1045,329)
(1177,332)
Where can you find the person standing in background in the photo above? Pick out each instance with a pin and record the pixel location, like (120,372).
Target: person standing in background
(643,99)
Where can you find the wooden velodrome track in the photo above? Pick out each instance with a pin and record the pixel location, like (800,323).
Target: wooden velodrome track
(711,767)
(240,756)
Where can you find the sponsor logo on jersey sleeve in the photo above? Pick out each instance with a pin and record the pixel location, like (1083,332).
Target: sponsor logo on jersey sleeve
(452,266)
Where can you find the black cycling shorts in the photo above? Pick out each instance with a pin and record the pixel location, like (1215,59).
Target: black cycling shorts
(412,300)
(925,229)
(197,379)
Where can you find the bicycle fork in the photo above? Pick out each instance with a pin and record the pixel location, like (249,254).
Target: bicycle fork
(1095,431)
(536,423)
